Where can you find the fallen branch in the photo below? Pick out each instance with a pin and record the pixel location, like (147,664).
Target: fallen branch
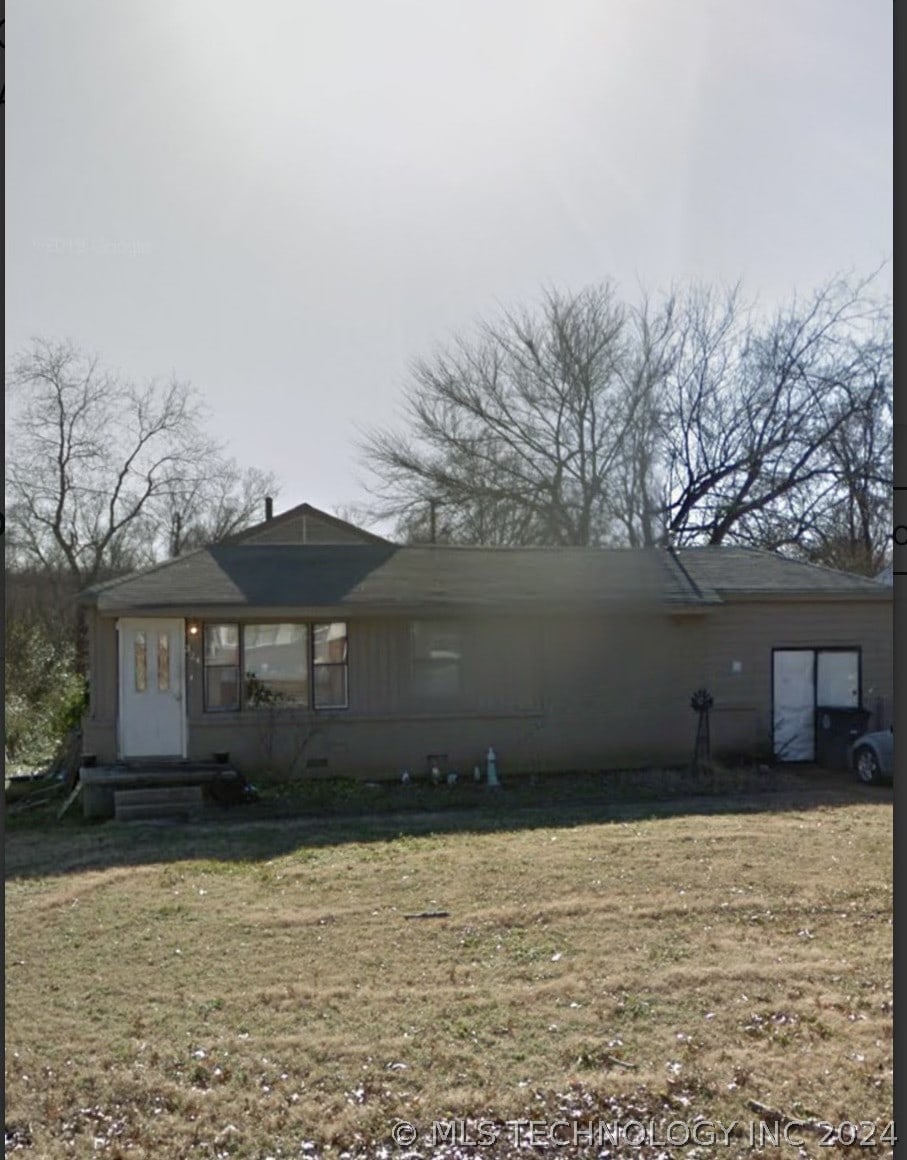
(429,914)
(32,802)
(775,1116)
(70,798)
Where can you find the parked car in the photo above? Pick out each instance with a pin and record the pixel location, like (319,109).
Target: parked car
(872,756)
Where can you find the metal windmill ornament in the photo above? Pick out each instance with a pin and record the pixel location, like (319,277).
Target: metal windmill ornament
(701,702)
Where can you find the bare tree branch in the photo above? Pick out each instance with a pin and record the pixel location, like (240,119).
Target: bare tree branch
(688,418)
(93,460)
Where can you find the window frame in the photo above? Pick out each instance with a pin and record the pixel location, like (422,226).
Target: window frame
(275,697)
(343,665)
(206,667)
(310,705)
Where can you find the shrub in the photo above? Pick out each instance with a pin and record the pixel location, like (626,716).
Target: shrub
(45,696)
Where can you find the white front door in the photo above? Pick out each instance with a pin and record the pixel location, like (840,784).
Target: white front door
(152,702)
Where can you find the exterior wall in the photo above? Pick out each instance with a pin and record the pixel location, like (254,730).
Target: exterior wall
(554,693)
(99,734)
(549,692)
(748,631)
(617,690)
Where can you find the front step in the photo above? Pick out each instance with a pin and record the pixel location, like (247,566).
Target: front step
(178,803)
(170,764)
(102,784)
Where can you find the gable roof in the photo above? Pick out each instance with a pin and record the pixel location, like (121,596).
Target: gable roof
(385,576)
(307,558)
(756,571)
(305,524)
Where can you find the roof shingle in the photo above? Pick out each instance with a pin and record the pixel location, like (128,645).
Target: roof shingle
(383,575)
(755,570)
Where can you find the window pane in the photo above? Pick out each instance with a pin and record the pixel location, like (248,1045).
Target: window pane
(163,661)
(276,663)
(330,687)
(221,644)
(141,662)
(329,643)
(222,688)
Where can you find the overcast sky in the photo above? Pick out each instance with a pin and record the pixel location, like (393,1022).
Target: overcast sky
(284,202)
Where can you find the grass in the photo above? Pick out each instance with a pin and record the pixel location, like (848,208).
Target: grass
(250,989)
(332,796)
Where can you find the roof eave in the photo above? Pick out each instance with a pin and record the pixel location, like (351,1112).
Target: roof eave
(436,607)
(805,594)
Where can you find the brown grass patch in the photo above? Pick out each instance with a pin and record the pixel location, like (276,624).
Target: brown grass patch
(221,1007)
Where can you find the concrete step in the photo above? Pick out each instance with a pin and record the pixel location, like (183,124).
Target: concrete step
(163,795)
(175,765)
(153,777)
(101,784)
(171,813)
(132,805)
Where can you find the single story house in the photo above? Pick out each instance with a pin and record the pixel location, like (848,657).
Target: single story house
(307,644)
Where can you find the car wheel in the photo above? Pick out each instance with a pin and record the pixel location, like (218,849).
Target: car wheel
(866,764)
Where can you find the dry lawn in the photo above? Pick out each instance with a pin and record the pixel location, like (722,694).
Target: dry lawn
(185,998)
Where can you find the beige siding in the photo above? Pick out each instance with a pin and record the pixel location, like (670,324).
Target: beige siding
(100,739)
(548,692)
(103,665)
(306,529)
(620,686)
(99,735)
(378,665)
(748,631)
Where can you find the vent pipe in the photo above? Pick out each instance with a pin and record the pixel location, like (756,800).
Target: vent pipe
(269,508)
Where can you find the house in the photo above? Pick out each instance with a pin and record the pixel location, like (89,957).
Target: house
(307,643)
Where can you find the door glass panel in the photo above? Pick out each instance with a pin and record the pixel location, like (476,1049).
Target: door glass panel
(794,705)
(141,662)
(163,661)
(838,679)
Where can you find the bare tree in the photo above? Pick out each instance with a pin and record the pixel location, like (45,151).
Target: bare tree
(636,494)
(88,452)
(194,510)
(765,418)
(686,418)
(517,432)
(844,519)
(105,475)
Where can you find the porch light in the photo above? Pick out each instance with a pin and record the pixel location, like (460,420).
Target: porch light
(193,628)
